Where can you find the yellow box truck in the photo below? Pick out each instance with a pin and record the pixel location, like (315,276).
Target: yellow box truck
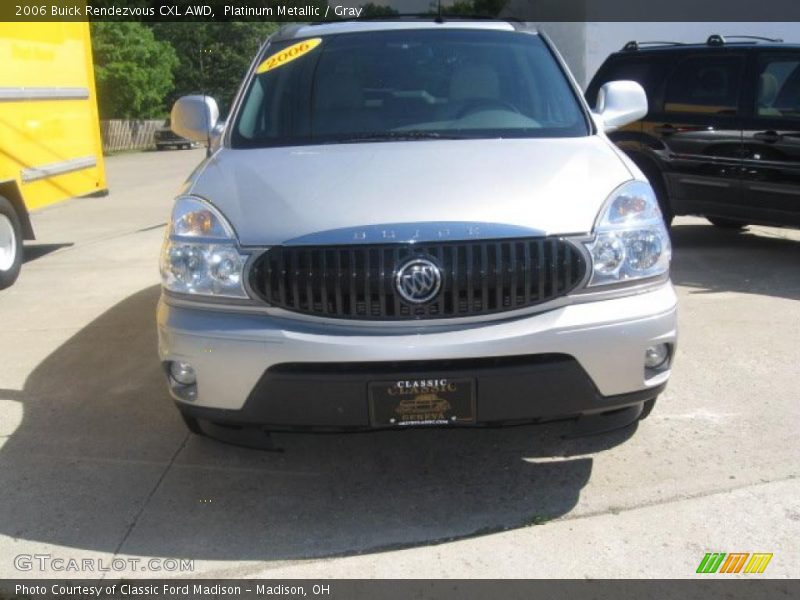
(50,147)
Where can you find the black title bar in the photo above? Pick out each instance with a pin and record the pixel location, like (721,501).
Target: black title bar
(331,10)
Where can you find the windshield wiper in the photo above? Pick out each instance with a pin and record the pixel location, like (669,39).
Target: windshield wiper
(389,136)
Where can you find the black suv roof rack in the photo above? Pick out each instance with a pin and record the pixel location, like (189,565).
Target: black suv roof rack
(719,40)
(713,40)
(634,45)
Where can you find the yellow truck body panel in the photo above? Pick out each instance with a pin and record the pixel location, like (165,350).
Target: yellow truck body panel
(50,145)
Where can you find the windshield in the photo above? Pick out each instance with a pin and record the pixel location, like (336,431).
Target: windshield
(407,85)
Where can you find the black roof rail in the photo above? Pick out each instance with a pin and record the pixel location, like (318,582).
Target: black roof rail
(713,40)
(633,45)
(719,40)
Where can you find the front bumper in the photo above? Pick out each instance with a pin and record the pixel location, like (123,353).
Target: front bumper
(282,373)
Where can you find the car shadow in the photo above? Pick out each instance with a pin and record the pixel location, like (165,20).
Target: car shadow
(33,252)
(101,461)
(711,260)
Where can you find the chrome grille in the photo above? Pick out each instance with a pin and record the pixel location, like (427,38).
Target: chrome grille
(358,281)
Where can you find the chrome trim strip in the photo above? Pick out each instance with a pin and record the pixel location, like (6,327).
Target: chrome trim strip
(18,94)
(411,233)
(57,168)
(292,320)
(618,290)
(411,326)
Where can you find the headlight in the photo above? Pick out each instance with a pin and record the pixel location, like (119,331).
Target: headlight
(200,253)
(631,241)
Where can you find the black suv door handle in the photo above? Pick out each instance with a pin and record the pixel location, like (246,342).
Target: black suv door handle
(768,136)
(664,129)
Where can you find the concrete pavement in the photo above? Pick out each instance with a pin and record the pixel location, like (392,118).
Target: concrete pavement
(95,462)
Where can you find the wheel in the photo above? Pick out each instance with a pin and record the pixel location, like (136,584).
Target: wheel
(663,201)
(192,424)
(657,182)
(726,223)
(10,244)
(647,408)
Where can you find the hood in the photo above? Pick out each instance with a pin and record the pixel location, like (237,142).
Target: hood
(275,195)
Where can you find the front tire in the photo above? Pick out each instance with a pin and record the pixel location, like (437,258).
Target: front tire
(10,244)
(653,174)
(192,424)
(647,408)
(723,223)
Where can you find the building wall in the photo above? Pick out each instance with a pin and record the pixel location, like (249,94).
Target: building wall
(570,39)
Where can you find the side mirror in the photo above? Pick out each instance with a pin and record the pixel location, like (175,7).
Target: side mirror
(620,103)
(216,133)
(194,117)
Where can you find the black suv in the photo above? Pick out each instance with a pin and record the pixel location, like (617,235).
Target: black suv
(722,135)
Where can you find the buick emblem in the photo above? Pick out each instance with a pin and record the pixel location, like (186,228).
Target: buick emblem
(418,280)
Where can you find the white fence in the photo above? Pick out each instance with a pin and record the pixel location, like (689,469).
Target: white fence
(121,134)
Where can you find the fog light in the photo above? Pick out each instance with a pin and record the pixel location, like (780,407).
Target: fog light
(656,356)
(182,372)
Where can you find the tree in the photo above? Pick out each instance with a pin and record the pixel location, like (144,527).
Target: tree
(213,56)
(133,70)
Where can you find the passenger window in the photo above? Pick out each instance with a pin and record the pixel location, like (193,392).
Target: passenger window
(705,85)
(778,87)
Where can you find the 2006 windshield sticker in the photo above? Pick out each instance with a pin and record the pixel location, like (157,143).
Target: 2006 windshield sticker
(287,55)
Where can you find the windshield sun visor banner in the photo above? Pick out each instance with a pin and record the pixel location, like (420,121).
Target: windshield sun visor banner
(287,55)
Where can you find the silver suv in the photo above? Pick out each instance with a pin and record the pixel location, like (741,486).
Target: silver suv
(413,223)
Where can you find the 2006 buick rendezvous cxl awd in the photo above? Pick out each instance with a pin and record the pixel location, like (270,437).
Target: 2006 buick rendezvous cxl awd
(413,223)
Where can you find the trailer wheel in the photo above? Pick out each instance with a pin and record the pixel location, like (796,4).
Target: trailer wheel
(10,244)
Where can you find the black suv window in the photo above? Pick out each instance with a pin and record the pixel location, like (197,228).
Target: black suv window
(778,92)
(705,85)
(648,71)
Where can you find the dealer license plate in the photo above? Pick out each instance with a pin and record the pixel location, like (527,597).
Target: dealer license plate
(410,402)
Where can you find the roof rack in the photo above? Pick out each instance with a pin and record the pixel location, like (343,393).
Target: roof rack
(713,40)
(634,45)
(719,40)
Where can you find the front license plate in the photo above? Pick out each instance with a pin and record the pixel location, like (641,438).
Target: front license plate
(406,402)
